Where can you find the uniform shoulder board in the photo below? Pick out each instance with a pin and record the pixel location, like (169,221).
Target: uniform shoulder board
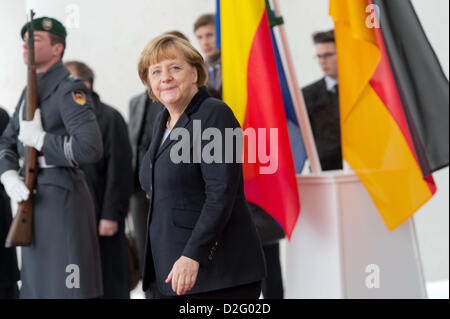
(79,97)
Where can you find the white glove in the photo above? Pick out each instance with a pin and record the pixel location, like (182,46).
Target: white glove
(31,132)
(14,186)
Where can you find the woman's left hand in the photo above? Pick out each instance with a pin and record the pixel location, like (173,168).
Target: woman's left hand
(183,275)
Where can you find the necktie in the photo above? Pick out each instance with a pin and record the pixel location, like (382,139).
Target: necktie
(212,72)
(335,95)
(212,76)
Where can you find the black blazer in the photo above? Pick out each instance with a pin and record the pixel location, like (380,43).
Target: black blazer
(323,111)
(198,210)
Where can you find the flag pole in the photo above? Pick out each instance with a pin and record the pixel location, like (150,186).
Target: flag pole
(299,103)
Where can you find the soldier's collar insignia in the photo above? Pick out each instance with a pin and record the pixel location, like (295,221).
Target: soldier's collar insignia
(79,97)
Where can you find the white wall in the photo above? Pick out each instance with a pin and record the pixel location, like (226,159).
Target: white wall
(12,70)
(111,34)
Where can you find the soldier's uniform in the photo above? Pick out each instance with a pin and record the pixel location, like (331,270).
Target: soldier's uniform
(63,260)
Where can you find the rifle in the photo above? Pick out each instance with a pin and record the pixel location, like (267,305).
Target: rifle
(21,230)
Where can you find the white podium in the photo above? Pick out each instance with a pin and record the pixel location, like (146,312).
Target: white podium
(341,248)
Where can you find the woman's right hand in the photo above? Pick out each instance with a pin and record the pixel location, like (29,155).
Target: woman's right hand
(183,275)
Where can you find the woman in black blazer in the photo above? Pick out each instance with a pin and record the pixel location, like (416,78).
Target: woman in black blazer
(201,240)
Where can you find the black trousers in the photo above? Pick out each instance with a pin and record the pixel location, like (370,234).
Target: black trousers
(139,206)
(272,285)
(9,272)
(9,291)
(139,211)
(248,291)
(113,253)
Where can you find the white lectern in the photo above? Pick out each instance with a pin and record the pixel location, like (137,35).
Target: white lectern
(341,248)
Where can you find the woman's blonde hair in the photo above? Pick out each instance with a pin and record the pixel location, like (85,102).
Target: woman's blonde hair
(168,46)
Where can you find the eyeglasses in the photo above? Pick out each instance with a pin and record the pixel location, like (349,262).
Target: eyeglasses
(325,55)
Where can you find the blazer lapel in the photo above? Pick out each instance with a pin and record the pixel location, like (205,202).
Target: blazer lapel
(184,119)
(182,122)
(160,127)
(323,97)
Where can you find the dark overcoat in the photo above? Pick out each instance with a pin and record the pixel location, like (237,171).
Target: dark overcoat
(110,181)
(9,273)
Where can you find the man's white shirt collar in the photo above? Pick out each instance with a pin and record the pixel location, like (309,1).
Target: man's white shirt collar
(330,83)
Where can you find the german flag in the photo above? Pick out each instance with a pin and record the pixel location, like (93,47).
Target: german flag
(251,88)
(394,104)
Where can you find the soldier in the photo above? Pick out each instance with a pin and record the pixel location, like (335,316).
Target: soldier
(63,260)
(110,183)
(9,273)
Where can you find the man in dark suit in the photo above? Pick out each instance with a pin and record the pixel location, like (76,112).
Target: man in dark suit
(322,103)
(205,32)
(142,114)
(110,181)
(9,273)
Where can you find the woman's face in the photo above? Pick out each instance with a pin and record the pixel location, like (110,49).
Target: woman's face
(173,81)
